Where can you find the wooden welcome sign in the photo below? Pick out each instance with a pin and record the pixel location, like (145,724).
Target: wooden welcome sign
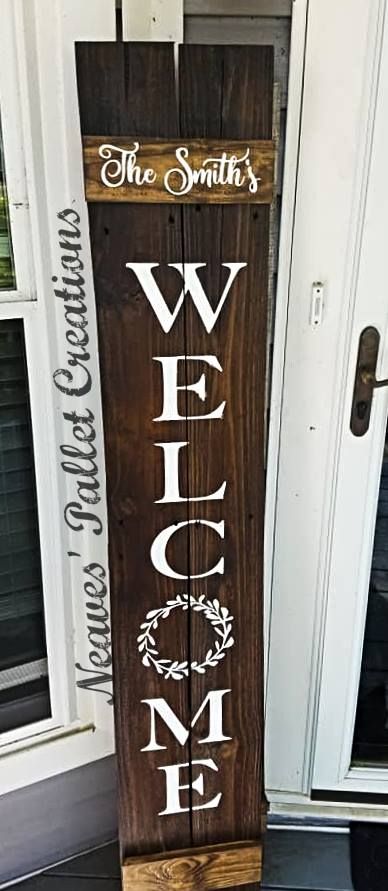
(181,295)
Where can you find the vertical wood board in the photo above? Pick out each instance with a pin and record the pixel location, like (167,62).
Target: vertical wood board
(234,447)
(121,86)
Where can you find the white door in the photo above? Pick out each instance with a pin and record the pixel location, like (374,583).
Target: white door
(357,574)
(328,479)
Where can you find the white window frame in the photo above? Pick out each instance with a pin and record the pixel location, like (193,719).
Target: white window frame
(43,161)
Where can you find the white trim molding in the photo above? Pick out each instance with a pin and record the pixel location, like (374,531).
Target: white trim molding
(12,136)
(158,20)
(290,174)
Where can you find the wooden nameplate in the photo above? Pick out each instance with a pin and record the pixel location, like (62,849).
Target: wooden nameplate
(203,171)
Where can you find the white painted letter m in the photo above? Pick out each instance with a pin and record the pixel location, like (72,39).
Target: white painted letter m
(162,708)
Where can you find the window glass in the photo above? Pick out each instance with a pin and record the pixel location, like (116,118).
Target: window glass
(24,692)
(7,274)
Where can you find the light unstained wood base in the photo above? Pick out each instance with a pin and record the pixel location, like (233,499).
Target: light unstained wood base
(195,869)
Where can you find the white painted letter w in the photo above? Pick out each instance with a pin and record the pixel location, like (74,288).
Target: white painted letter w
(191,285)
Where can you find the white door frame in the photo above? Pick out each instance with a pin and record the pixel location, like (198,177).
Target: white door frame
(338,111)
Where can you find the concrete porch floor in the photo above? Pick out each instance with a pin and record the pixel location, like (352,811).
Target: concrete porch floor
(294,861)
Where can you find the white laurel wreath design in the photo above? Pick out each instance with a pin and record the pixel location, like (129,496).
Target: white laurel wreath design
(218,616)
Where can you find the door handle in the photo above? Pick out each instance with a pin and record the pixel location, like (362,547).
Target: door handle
(365,381)
(369,378)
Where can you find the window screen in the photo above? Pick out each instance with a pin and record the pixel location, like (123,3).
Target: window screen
(24,692)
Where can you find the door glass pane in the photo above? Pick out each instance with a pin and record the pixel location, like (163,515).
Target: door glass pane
(24,691)
(7,274)
(370,743)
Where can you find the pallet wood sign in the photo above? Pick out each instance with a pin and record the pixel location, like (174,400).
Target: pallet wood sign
(181,298)
(197,171)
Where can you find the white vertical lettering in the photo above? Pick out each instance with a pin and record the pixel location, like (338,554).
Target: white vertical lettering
(171,388)
(174,788)
(171,477)
(159,546)
(191,285)
(214,700)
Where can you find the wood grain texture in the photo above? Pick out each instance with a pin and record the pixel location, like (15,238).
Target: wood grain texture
(234,447)
(195,869)
(120,92)
(225,94)
(252,30)
(159,156)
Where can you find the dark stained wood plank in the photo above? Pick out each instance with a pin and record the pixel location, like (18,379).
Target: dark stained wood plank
(224,92)
(134,169)
(121,88)
(208,869)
